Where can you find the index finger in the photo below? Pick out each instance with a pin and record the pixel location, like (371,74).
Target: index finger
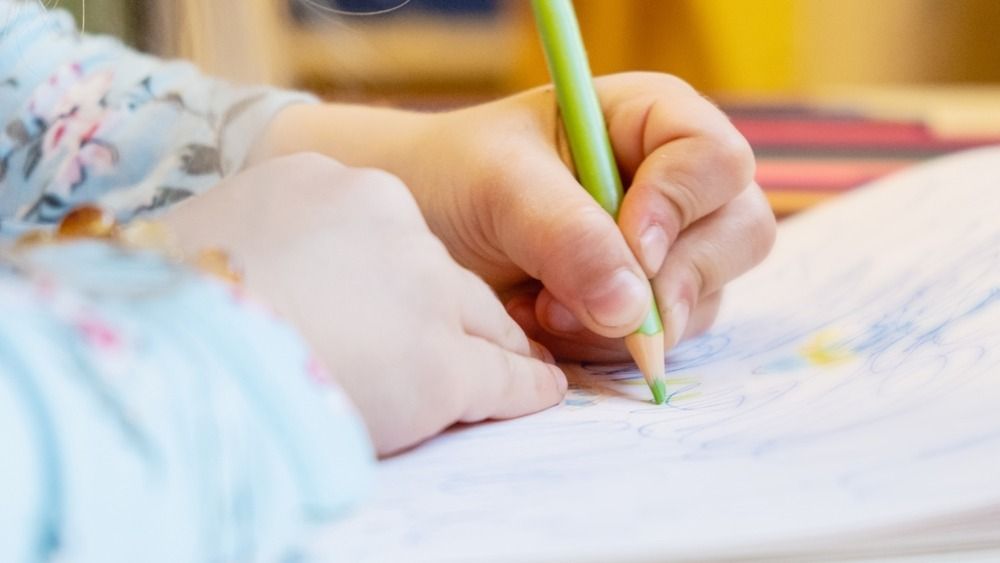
(506,384)
(684,157)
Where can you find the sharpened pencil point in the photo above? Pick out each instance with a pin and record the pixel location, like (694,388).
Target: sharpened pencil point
(648,353)
(659,389)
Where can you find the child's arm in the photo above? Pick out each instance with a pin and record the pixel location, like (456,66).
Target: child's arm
(148,413)
(494,183)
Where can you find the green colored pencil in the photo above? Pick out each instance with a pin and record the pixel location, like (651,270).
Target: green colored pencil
(592,155)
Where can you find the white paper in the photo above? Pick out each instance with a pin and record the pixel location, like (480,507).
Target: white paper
(848,401)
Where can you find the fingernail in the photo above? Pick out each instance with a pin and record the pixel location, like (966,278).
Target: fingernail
(653,248)
(617,301)
(541,352)
(561,319)
(677,318)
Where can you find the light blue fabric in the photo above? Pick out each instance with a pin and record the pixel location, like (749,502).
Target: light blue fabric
(146,413)
(149,414)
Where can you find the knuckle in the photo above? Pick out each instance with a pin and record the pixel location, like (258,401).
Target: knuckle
(545,382)
(306,177)
(470,401)
(497,390)
(508,369)
(308,161)
(703,269)
(306,168)
(682,203)
(309,168)
(707,313)
(514,336)
(686,282)
(659,80)
(735,155)
(442,378)
(437,261)
(380,179)
(672,82)
(763,228)
(455,398)
(509,377)
(377,184)
(385,197)
(579,235)
(430,272)
(704,274)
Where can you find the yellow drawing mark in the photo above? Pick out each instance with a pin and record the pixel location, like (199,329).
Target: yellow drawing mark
(668,381)
(823,350)
(685,396)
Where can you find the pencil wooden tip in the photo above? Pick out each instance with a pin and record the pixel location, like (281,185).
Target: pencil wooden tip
(648,353)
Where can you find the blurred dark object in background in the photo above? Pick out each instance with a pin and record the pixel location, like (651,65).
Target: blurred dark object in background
(305,11)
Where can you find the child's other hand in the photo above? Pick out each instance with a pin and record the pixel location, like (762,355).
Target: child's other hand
(418,342)
(495,184)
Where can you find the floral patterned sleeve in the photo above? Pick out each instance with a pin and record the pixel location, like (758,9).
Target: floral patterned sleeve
(150,414)
(85,119)
(146,413)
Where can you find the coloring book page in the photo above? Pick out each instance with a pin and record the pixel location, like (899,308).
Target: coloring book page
(847,399)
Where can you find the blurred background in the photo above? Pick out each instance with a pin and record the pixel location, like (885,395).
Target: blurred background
(488,47)
(931,67)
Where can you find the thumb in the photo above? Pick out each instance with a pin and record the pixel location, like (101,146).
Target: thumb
(553,230)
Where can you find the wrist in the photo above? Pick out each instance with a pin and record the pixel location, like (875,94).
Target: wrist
(357,136)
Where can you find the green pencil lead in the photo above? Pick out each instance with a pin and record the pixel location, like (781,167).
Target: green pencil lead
(659,390)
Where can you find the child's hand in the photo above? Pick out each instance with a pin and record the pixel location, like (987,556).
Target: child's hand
(418,342)
(495,183)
